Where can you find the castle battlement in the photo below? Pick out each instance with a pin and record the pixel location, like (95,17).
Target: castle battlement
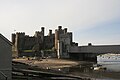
(20,32)
(39,41)
(37,31)
(26,35)
(13,34)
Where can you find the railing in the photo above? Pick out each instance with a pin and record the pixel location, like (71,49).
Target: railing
(5,76)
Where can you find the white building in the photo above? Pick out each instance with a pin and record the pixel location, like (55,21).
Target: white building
(109,58)
(5,58)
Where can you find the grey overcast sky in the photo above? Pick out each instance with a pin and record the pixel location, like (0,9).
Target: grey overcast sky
(95,21)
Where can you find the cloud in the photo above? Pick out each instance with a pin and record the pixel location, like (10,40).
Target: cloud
(29,15)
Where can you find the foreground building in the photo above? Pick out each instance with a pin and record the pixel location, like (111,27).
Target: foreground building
(5,58)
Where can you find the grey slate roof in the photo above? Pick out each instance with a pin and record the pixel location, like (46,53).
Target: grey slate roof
(5,39)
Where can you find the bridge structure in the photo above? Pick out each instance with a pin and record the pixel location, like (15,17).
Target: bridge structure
(90,52)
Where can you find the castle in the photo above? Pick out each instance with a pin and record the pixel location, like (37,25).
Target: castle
(57,43)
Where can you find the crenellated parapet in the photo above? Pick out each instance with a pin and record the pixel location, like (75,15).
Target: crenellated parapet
(26,35)
(39,33)
(20,34)
(61,39)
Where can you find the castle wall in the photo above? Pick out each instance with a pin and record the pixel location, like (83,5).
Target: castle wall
(61,41)
(49,41)
(37,42)
(29,43)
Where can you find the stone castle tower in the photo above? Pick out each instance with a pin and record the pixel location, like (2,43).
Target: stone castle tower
(18,41)
(63,40)
(24,45)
